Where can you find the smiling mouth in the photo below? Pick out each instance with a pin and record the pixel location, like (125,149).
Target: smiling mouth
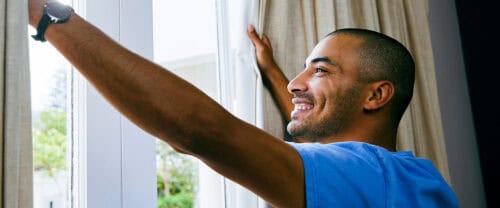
(302,104)
(302,107)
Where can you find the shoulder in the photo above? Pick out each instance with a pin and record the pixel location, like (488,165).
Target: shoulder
(354,156)
(360,154)
(336,171)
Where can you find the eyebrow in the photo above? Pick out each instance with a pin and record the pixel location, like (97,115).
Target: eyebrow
(321,59)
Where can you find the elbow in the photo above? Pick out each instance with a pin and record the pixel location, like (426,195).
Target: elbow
(197,131)
(180,150)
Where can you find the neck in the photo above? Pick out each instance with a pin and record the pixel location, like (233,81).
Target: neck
(380,135)
(387,142)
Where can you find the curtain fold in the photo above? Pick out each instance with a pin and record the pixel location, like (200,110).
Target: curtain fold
(294,28)
(247,87)
(15,115)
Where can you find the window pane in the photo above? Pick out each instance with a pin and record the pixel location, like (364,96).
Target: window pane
(48,95)
(185,43)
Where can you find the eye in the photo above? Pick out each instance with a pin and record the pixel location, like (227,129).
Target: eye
(319,70)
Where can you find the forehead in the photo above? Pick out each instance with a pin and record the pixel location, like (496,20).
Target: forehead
(339,48)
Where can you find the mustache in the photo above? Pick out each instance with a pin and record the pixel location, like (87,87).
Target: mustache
(306,96)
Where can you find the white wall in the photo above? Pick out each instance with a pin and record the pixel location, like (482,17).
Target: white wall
(456,113)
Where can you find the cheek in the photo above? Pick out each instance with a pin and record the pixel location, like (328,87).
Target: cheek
(324,88)
(335,98)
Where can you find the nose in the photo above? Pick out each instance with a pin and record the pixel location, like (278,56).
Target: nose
(298,84)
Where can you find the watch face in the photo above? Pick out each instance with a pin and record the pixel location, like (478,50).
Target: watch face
(58,12)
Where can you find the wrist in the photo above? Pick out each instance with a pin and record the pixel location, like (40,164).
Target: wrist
(53,12)
(269,68)
(35,12)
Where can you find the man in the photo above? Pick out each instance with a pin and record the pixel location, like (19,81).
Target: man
(355,87)
(342,102)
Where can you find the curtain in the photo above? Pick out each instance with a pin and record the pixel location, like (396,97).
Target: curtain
(15,109)
(294,28)
(241,95)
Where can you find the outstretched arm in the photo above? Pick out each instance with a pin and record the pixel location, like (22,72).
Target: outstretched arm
(273,77)
(175,111)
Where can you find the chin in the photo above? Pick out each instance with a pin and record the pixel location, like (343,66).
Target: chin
(294,129)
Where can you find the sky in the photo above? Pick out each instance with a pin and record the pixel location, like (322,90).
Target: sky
(44,61)
(176,38)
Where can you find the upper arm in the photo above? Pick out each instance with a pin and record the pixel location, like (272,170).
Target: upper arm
(255,159)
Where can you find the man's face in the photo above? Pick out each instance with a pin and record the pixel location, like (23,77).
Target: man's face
(326,94)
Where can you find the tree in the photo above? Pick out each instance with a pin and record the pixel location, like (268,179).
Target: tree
(175,178)
(49,142)
(49,133)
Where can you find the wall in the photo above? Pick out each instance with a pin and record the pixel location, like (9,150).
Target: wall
(455,105)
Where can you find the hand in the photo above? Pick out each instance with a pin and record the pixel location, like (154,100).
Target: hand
(272,76)
(263,50)
(35,11)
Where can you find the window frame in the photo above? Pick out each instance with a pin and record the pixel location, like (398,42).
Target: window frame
(114,160)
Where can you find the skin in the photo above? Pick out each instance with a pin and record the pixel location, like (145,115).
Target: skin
(194,124)
(323,92)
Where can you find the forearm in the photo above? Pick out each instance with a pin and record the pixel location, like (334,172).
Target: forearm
(150,96)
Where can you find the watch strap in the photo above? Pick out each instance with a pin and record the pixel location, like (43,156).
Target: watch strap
(53,12)
(42,26)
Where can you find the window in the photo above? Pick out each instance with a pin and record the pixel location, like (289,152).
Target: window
(187,48)
(205,45)
(49,78)
(49,127)
(111,162)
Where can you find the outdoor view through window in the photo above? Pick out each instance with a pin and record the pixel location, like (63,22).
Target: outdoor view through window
(188,48)
(49,75)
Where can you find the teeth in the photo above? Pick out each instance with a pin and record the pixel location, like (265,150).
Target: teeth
(303,107)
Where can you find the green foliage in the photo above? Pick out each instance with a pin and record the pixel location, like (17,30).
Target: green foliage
(179,200)
(175,185)
(49,142)
(175,181)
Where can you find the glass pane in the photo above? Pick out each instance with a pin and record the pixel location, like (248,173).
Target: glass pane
(49,72)
(49,113)
(185,43)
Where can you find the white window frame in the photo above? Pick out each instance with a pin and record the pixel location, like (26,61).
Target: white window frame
(114,159)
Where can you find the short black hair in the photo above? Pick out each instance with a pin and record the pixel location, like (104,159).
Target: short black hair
(384,58)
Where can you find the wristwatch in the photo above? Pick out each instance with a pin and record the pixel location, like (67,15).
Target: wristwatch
(54,12)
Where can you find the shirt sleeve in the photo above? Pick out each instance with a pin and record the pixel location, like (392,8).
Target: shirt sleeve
(341,177)
(356,174)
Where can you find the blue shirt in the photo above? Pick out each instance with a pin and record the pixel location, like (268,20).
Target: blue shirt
(356,174)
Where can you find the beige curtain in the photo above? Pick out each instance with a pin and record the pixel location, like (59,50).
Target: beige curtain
(294,28)
(15,111)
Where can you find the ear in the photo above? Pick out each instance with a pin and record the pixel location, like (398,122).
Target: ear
(380,93)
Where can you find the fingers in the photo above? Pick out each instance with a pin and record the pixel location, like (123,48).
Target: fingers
(253,36)
(250,29)
(258,42)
